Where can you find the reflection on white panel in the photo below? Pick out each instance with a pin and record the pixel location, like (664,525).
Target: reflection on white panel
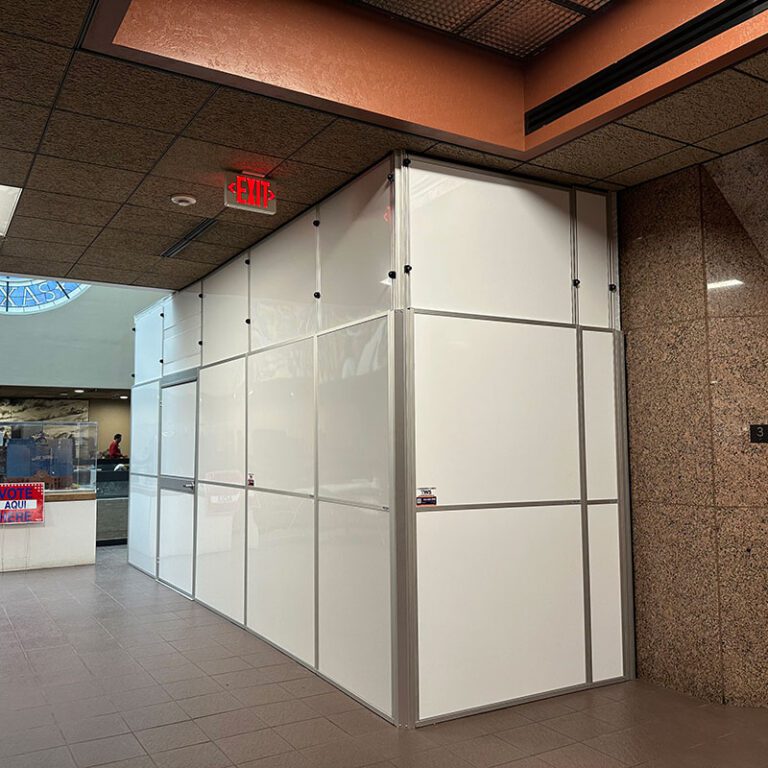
(356,249)
(283,283)
(496,411)
(600,416)
(501,609)
(175,546)
(178,420)
(225,310)
(281,415)
(593,250)
(220,556)
(354,602)
(148,345)
(353,414)
(605,592)
(181,332)
(142,523)
(281,571)
(222,423)
(486,245)
(145,426)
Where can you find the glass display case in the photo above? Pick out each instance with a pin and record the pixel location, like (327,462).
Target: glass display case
(60,454)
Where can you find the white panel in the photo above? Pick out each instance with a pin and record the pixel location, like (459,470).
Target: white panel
(68,537)
(145,427)
(178,420)
(142,523)
(356,249)
(283,283)
(487,245)
(281,571)
(496,411)
(600,416)
(353,420)
(605,592)
(175,545)
(181,330)
(148,345)
(220,556)
(501,609)
(281,415)
(225,310)
(354,602)
(593,248)
(222,423)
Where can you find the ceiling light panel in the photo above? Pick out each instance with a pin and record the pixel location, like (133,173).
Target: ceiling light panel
(9,197)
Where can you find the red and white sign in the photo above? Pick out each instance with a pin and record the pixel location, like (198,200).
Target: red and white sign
(22,503)
(249,192)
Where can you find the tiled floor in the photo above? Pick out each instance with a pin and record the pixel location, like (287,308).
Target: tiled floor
(101,665)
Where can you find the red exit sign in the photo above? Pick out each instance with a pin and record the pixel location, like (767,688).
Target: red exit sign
(249,192)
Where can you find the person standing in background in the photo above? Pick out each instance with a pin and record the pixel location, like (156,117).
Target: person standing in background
(114,447)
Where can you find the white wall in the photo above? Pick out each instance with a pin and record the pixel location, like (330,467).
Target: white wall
(87,342)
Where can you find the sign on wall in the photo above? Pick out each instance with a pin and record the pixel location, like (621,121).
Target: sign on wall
(22,503)
(249,192)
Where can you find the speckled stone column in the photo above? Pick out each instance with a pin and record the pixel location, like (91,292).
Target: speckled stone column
(697,376)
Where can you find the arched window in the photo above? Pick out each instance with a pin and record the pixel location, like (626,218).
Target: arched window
(23,295)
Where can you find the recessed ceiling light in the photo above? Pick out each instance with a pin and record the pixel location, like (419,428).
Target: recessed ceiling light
(123,397)
(725,284)
(183,200)
(9,196)
(79,391)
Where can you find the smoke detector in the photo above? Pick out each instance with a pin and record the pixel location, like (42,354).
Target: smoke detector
(183,200)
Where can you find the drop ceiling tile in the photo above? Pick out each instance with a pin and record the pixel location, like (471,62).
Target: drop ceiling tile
(757,65)
(135,244)
(92,273)
(302,183)
(52,231)
(286,210)
(705,108)
(78,137)
(256,123)
(204,163)
(736,138)
(52,174)
(30,70)
(133,218)
(447,15)
(521,27)
(10,265)
(55,22)
(39,251)
(234,235)
(472,157)
(129,93)
(181,269)
(14,167)
(156,191)
(608,186)
(347,145)
(101,257)
(548,174)
(661,166)
(21,125)
(78,210)
(606,151)
(207,253)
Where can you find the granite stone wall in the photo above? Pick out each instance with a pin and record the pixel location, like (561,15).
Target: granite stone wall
(697,377)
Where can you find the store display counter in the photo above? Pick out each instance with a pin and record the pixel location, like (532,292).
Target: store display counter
(67,536)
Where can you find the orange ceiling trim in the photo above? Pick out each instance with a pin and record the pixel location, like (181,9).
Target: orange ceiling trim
(349,61)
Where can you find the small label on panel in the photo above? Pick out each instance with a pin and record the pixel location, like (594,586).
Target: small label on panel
(758,433)
(426,497)
(251,481)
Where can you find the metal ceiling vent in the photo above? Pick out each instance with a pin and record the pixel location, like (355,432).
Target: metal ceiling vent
(181,244)
(698,30)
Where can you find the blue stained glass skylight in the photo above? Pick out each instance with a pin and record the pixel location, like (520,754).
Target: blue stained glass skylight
(23,295)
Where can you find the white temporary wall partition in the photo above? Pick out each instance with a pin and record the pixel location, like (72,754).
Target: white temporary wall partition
(392,441)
